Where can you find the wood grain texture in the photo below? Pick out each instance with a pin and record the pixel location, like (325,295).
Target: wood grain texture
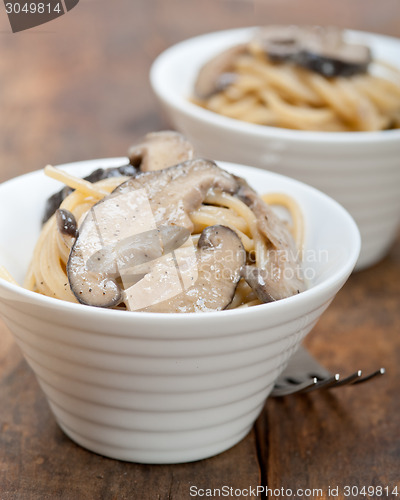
(76,89)
(351,434)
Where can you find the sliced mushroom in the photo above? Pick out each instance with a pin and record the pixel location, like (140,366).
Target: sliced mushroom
(318,49)
(176,191)
(137,249)
(280,43)
(134,246)
(328,54)
(207,280)
(67,227)
(259,282)
(147,202)
(280,276)
(159,150)
(66,223)
(97,289)
(217,74)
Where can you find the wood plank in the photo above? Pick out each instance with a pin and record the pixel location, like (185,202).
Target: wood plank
(78,89)
(38,461)
(349,436)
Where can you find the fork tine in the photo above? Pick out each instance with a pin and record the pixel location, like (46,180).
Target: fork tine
(307,386)
(324,384)
(329,383)
(287,390)
(351,379)
(381,371)
(304,374)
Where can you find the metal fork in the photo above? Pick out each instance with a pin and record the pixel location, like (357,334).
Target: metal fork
(305,374)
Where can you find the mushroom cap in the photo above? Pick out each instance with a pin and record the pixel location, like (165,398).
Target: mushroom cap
(134,246)
(144,218)
(66,222)
(67,228)
(217,74)
(176,191)
(322,50)
(259,283)
(207,276)
(137,249)
(280,43)
(96,289)
(281,275)
(159,150)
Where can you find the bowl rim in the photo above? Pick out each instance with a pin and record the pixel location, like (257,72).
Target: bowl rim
(181,103)
(338,277)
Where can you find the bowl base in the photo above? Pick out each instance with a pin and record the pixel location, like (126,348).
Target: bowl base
(158,457)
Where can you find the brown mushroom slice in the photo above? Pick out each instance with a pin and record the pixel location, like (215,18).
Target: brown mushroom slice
(97,289)
(66,222)
(344,60)
(217,74)
(160,150)
(282,271)
(175,192)
(67,226)
(137,249)
(108,222)
(144,203)
(322,50)
(258,280)
(193,280)
(280,43)
(325,51)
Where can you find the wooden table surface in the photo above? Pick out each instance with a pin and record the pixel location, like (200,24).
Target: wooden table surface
(77,88)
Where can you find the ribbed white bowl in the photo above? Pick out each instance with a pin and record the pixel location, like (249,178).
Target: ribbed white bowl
(159,388)
(361,170)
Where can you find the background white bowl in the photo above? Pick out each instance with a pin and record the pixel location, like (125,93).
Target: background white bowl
(164,388)
(361,170)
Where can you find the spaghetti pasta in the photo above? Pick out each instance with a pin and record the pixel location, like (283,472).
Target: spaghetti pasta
(48,271)
(7,276)
(278,92)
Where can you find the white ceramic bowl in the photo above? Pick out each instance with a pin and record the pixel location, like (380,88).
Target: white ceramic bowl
(361,170)
(164,388)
